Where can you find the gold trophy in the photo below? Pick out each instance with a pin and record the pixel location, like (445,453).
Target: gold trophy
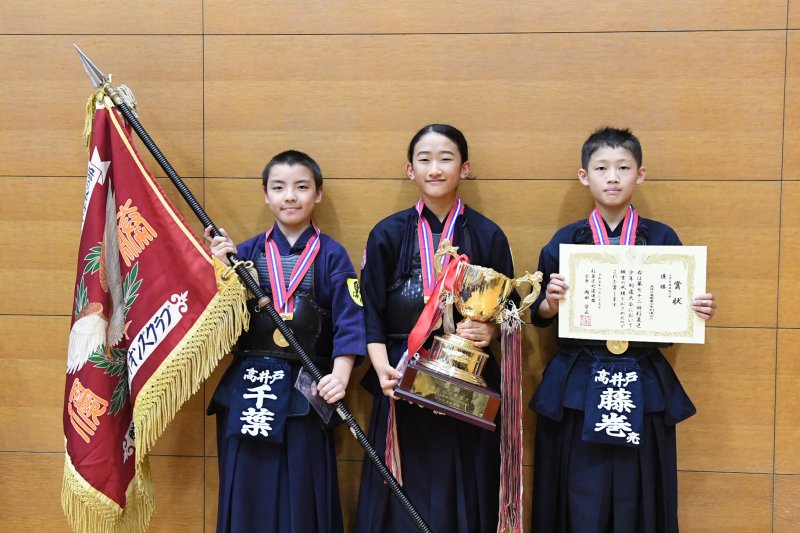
(449,379)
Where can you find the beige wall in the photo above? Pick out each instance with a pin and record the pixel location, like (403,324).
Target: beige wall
(712,89)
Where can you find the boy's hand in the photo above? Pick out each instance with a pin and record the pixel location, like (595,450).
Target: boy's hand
(331,388)
(556,289)
(389,378)
(704,306)
(220,246)
(481,333)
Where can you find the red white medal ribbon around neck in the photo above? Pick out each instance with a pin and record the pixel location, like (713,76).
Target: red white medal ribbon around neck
(281,294)
(629,225)
(427,250)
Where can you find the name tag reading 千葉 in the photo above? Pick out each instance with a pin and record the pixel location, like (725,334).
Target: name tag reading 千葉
(632,293)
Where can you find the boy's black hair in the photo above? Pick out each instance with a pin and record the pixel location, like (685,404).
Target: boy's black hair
(451,132)
(611,138)
(293,157)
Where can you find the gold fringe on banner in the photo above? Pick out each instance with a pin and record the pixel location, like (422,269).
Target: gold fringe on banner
(192,361)
(90,511)
(178,377)
(183,371)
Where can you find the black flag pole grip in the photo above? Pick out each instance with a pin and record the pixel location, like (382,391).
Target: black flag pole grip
(264,304)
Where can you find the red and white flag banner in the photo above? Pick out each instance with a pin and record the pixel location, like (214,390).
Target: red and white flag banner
(153,314)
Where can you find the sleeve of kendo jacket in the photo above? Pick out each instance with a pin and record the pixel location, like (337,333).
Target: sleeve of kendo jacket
(347,309)
(375,272)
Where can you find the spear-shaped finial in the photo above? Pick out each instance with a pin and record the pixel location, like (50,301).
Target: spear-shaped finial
(96,76)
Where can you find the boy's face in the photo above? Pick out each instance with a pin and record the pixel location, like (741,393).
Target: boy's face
(292,195)
(436,167)
(612,177)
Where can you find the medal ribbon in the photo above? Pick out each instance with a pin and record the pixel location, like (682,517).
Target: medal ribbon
(427,250)
(281,294)
(629,225)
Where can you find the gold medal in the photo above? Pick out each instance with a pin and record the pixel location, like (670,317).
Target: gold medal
(438,324)
(277,336)
(617,347)
(279,339)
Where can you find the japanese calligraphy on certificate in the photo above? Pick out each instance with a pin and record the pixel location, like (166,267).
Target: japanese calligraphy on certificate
(632,293)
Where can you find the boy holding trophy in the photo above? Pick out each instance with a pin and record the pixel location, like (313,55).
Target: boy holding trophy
(584,481)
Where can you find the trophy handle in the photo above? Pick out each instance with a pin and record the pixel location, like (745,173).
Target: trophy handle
(445,248)
(535,281)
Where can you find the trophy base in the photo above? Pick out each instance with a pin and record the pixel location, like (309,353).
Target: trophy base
(451,396)
(443,368)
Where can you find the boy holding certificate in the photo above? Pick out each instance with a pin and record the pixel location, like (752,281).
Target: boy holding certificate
(605,437)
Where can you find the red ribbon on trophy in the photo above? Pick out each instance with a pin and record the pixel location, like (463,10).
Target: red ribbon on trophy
(447,377)
(422,330)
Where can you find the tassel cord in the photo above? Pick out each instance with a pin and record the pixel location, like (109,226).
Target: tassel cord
(510,513)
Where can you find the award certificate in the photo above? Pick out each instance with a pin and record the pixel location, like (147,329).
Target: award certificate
(632,293)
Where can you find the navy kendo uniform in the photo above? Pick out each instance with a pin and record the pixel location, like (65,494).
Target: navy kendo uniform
(585,486)
(289,486)
(450,468)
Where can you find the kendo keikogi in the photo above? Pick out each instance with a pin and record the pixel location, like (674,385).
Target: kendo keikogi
(287,482)
(446,463)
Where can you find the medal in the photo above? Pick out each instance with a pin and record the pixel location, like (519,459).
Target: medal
(617,347)
(627,238)
(279,339)
(277,336)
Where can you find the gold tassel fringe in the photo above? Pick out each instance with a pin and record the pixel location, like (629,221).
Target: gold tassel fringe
(192,361)
(91,108)
(90,511)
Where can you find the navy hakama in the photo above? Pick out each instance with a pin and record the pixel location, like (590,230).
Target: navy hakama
(290,486)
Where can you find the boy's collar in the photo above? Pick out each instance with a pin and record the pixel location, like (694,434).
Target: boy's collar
(436,225)
(623,213)
(283,243)
(616,232)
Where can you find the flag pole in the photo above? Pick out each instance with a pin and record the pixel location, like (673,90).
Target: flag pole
(100,80)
